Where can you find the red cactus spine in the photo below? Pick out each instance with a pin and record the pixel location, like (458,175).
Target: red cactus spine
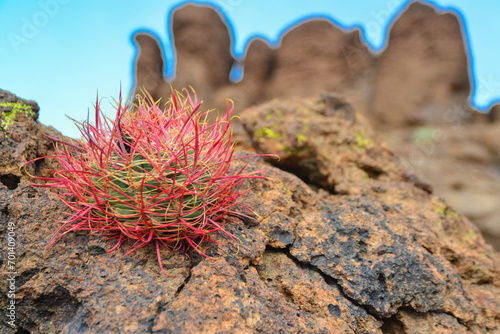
(151,175)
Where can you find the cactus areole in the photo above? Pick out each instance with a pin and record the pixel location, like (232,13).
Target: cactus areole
(150,175)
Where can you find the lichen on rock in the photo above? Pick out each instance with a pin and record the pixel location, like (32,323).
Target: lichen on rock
(10,110)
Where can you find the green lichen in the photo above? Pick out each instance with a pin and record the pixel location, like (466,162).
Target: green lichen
(294,150)
(10,116)
(363,142)
(283,186)
(278,114)
(266,132)
(298,148)
(443,210)
(470,235)
(301,139)
(285,189)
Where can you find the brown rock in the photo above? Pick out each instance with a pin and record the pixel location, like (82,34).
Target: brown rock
(416,323)
(328,157)
(338,157)
(382,255)
(149,67)
(259,66)
(301,67)
(423,72)
(312,57)
(461,161)
(421,75)
(21,139)
(203,57)
(202,44)
(316,56)
(494,114)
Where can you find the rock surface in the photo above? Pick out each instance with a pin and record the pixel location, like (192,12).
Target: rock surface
(348,242)
(21,139)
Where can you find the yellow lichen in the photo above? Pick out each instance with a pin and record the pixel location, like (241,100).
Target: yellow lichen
(362,141)
(266,132)
(441,208)
(470,235)
(444,210)
(301,139)
(10,116)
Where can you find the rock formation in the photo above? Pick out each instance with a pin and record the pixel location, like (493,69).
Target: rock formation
(423,72)
(150,66)
(304,66)
(420,75)
(348,241)
(420,79)
(203,57)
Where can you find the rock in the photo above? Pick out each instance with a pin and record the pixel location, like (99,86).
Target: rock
(423,72)
(318,55)
(328,156)
(21,139)
(339,157)
(332,61)
(381,255)
(203,57)
(337,61)
(202,44)
(149,67)
(462,162)
(259,66)
(494,113)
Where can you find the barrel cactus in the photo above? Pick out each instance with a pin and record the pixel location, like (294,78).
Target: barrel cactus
(150,175)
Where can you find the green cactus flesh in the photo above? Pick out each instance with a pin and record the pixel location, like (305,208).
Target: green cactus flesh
(129,186)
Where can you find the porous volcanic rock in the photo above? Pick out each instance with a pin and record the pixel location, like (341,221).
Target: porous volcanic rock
(361,247)
(21,139)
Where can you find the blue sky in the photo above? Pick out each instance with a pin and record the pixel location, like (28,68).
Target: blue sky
(61,52)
